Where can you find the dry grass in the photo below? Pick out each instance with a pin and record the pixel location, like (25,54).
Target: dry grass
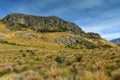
(95,64)
(40,55)
(28,75)
(116,74)
(94,76)
(5,69)
(20,68)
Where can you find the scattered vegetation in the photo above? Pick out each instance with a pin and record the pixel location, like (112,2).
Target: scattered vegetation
(84,64)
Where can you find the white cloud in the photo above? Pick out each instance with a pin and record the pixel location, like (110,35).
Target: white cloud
(110,13)
(106,23)
(107,30)
(103,26)
(111,36)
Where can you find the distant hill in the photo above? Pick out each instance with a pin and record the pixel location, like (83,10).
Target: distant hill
(117,41)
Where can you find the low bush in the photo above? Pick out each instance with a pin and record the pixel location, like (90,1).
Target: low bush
(59,59)
(78,57)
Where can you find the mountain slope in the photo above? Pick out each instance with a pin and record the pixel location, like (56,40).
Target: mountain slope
(38,54)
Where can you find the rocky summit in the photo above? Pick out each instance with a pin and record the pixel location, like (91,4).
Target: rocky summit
(40,23)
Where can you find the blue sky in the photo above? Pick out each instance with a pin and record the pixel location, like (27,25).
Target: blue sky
(101,16)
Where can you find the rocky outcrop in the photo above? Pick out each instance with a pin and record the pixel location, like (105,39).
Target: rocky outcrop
(76,42)
(26,36)
(40,23)
(93,35)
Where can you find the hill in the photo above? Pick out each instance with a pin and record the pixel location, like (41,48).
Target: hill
(64,32)
(117,41)
(50,48)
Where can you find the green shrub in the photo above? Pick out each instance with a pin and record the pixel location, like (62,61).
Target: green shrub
(78,57)
(59,59)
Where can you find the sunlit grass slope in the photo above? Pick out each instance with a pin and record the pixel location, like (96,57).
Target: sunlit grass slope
(29,55)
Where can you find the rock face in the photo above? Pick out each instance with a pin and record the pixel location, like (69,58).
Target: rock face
(40,23)
(117,41)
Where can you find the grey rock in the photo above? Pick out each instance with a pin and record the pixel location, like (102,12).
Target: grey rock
(93,35)
(40,23)
(73,42)
(26,36)
(1,36)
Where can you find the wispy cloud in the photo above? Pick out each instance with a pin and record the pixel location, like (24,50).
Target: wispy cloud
(88,3)
(106,23)
(75,6)
(111,36)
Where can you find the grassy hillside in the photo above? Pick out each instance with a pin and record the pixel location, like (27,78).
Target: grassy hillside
(29,55)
